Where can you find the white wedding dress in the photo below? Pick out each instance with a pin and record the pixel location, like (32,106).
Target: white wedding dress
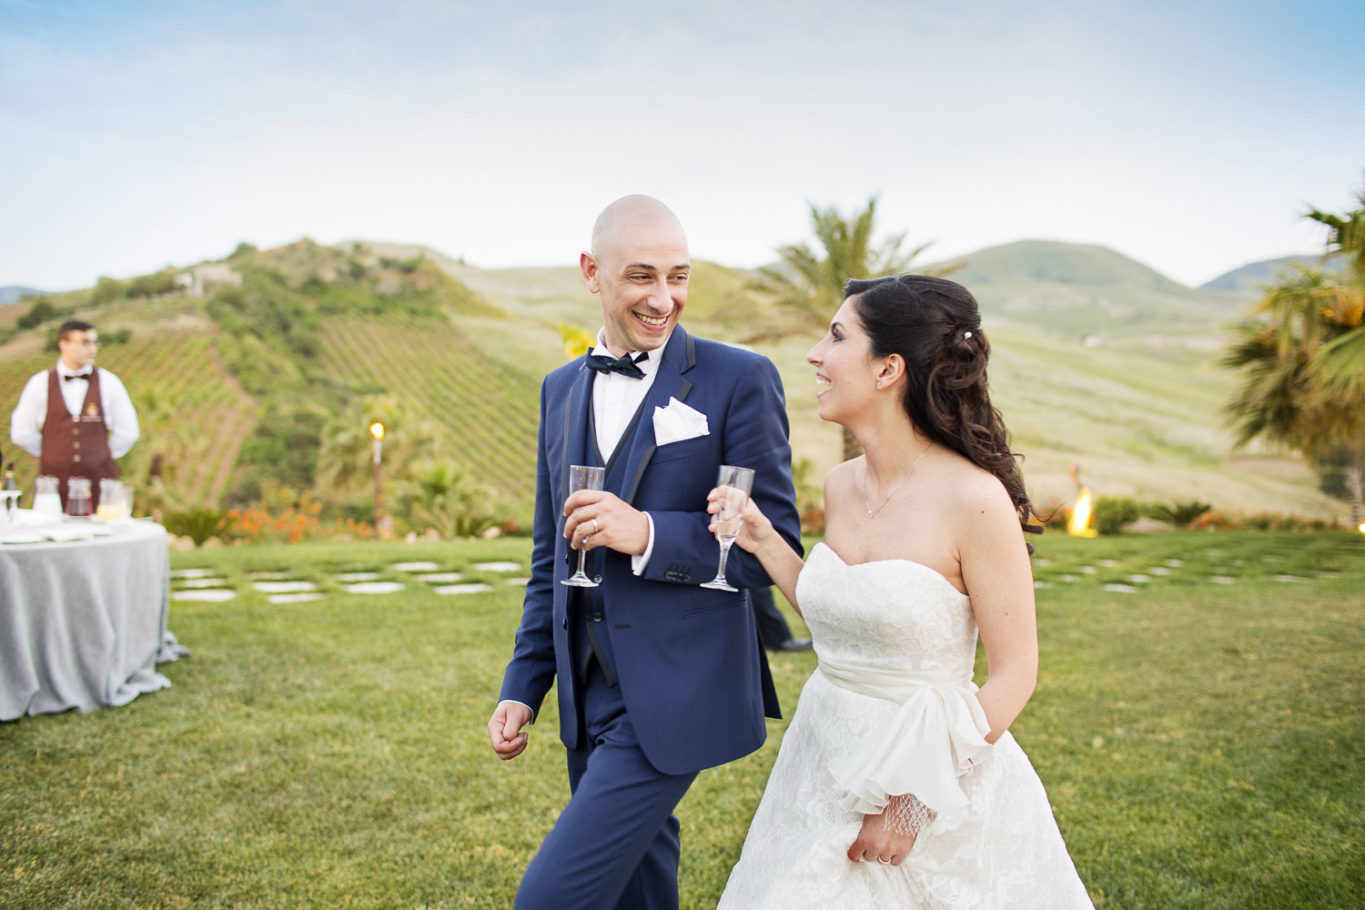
(892,709)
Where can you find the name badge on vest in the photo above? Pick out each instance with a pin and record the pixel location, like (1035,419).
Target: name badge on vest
(92,411)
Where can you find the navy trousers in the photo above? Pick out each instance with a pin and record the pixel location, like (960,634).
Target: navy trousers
(616,844)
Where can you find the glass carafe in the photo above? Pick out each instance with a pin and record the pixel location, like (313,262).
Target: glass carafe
(112,506)
(78,497)
(46,500)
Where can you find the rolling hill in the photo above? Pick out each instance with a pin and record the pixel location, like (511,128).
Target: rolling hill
(1249,278)
(1099,363)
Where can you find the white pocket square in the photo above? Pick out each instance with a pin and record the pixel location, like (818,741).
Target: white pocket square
(678,422)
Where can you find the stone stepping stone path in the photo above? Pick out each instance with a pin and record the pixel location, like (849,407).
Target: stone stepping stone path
(439,578)
(295,597)
(283,587)
(473,588)
(191,573)
(497,566)
(216,595)
(416,566)
(518,581)
(186,583)
(376,587)
(358,576)
(269,576)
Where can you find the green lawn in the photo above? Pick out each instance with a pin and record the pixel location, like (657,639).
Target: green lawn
(1198,724)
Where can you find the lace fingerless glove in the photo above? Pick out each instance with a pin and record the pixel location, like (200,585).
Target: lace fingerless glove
(905,815)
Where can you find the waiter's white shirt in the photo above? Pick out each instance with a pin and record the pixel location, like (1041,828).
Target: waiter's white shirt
(615,399)
(26,423)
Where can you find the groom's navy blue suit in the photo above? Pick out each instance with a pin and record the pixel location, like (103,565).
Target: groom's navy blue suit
(676,680)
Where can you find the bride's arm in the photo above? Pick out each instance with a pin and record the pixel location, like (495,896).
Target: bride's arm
(997,574)
(757,536)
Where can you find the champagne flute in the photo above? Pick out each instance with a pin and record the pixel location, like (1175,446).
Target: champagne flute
(735,484)
(582,477)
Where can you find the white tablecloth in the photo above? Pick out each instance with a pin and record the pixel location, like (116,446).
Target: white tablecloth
(83,622)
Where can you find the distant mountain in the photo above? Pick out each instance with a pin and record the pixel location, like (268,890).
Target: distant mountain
(14,293)
(1249,278)
(1036,261)
(1086,292)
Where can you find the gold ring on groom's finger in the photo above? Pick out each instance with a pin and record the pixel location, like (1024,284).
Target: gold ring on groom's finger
(594,526)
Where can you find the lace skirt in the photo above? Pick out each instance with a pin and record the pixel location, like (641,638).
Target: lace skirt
(1003,850)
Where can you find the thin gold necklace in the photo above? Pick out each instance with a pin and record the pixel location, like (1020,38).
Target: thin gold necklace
(867,503)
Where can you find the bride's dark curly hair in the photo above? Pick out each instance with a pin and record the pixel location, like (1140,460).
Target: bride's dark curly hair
(935,325)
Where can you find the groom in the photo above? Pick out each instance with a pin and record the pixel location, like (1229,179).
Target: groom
(657,677)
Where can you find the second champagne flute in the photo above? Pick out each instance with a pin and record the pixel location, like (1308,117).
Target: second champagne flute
(735,484)
(582,477)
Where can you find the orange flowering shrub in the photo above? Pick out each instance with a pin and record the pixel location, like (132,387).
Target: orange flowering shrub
(283,516)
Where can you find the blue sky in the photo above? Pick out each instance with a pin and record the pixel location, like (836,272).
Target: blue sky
(1188,135)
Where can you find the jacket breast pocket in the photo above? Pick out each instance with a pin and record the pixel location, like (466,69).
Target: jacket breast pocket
(684,448)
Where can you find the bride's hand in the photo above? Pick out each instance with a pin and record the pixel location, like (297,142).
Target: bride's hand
(754,526)
(886,840)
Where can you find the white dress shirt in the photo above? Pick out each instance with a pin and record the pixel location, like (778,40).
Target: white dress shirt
(615,399)
(26,423)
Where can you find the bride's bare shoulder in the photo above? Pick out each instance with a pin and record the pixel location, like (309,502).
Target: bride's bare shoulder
(842,476)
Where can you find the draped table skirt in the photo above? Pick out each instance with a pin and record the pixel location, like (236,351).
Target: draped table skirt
(83,622)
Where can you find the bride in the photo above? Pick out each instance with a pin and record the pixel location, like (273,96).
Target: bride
(897,783)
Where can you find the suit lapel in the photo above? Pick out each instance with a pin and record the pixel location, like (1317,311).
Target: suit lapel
(576,424)
(679,356)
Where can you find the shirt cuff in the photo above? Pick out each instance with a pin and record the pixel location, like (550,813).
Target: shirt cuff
(638,563)
(523,704)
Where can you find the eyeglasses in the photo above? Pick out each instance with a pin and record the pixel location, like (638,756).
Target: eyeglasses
(84,343)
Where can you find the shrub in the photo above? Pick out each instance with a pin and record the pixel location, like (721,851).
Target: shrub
(1180,514)
(198,524)
(1113,513)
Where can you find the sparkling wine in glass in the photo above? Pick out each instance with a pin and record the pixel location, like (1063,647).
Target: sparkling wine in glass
(735,484)
(582,477)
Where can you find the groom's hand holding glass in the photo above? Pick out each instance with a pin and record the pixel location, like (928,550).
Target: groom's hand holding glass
(596,518)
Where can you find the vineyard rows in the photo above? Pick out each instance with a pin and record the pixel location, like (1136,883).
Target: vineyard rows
(489,410)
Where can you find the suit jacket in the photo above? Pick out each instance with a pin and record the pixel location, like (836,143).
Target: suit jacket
(691,670)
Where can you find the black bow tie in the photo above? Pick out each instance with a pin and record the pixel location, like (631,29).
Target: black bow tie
(626,365)
(72,376)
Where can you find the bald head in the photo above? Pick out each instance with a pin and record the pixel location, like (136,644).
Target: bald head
(635,216)
(639,269)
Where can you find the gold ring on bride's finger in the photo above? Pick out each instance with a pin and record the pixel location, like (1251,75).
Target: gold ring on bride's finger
(884,862)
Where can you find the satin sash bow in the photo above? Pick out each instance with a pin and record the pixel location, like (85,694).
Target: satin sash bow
(937,731)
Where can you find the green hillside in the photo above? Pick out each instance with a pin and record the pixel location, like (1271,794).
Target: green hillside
(244,374)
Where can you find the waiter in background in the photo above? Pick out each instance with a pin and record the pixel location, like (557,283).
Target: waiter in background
(75,418)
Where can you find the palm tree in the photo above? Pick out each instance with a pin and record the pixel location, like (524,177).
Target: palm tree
(1285,397)
(1342,360)
(809,285)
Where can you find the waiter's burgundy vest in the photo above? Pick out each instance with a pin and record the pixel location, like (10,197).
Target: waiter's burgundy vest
(76,447)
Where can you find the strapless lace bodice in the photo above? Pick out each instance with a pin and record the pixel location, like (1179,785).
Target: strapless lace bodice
(892,614)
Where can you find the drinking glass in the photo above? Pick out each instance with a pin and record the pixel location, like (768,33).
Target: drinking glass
(582,477)
(735,484)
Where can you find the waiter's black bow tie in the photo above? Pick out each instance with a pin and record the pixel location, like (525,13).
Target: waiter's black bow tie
(626,365)
(72,376)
